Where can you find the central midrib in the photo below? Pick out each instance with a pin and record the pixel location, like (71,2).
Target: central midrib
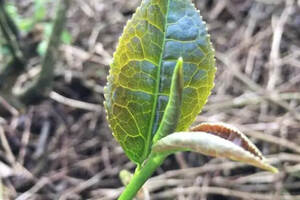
(157,86)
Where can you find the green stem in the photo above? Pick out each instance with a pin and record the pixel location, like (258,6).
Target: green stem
(141,176)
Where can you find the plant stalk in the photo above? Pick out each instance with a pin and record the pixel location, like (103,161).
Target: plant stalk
(141,176)
(10,33)
(41,87)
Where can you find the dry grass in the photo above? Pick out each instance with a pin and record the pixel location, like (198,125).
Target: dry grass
(63,149)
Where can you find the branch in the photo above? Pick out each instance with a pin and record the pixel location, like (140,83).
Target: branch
(9,74)
(41,87)
(16,66)
(10,33)
(9,105)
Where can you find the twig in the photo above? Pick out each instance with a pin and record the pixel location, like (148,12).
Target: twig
(217,10)
(40,149)
(26,195)
(1,190)
(84,185)
(192,172)
(25,139)
(275,60)
(247,99)
(272,139)
(9,31)
(13,27)
(107,194)
(74,103)
(16,66)
(43,85)
(10,156)
(273,97)
(218,190)
(9,74)
(275,2)
(5,171)
(8,107)
(180,160)
(41,183)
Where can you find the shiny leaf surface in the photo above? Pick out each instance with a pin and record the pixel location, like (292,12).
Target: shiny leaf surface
(140,77)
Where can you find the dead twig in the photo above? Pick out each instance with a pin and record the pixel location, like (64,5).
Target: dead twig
(9,154)
(75,103)
(171,193)
(275,60)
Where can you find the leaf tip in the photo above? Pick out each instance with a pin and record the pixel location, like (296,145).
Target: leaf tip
(179,72)
(179,66)
(180,60)
(266,167)
(172,111)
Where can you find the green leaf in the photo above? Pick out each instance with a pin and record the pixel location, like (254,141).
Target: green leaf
(42,47)
(48,28)
(172,111)
(12,10)
(217,140)
(26,24)
(40,10)
(139,83)
(66,37)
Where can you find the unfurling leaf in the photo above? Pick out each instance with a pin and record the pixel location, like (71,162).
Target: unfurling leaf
(218,140)
(172,112)
(138,89)
(230,133)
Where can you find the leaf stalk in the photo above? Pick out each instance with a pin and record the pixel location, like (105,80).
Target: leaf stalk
(141,176)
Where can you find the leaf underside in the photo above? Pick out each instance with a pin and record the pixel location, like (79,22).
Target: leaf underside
(139,83)
(221,140)
(229,133)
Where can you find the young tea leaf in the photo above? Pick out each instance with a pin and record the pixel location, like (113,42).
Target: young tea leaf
(172,111)
(140,77)
(224,142)
(229,133)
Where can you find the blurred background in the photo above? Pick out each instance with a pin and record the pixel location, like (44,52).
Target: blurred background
(55,142)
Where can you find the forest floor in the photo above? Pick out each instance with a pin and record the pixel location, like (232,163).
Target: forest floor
(63,149)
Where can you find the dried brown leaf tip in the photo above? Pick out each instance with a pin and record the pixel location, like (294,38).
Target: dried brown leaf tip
(229,133)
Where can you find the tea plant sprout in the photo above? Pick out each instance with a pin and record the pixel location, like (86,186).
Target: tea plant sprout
(160,78)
